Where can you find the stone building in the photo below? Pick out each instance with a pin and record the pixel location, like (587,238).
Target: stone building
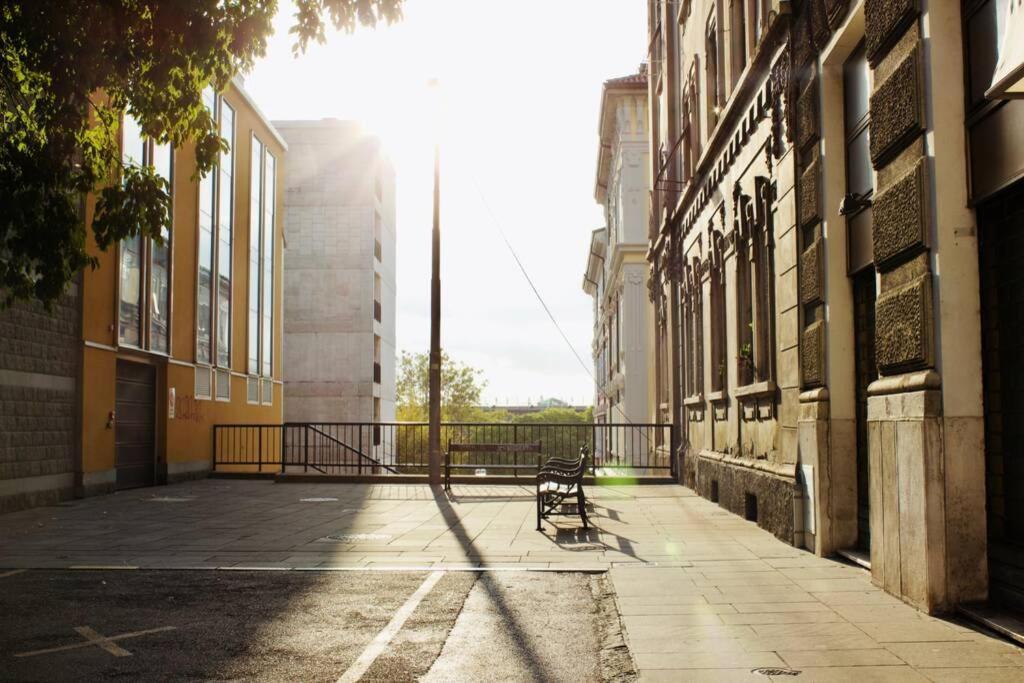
(834,243)
(616,273)
(339,271)
(119,386)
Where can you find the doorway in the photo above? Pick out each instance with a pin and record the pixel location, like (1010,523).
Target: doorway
(135,424)
(1001,254)
(866,373)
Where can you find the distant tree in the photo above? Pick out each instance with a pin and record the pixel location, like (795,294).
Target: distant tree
(70,68)
(558,415)
(461,388)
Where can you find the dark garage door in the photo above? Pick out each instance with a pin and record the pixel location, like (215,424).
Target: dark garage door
(135,432)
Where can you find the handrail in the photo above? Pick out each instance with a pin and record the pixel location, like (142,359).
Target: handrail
(376,463)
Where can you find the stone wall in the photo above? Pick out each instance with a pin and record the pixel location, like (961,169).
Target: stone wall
(39,356)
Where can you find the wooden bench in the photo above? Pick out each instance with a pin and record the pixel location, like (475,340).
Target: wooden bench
(557,480)
(479,461)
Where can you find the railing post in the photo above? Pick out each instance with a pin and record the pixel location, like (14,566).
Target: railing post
(259,448)
(305,447)
(359,459)
(213,450)
(284,444)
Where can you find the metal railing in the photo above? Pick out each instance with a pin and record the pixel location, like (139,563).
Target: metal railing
(618,449)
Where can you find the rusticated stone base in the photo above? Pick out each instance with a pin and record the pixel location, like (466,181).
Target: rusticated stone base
(734,483)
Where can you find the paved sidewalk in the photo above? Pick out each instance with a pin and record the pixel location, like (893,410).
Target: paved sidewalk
(703,594)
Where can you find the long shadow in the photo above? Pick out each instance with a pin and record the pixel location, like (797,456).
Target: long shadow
(519,635)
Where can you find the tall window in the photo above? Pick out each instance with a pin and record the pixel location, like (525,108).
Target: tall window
(755,287)
(859,176)
(714,74)
(737,39)
(719,368)
(216,219)
(144,278)
(262,221)
(745,295)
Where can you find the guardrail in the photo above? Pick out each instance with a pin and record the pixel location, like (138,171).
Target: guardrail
(618,449)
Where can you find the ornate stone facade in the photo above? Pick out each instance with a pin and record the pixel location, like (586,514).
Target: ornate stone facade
(784,401)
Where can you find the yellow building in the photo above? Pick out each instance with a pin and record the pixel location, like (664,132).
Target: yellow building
(180,337)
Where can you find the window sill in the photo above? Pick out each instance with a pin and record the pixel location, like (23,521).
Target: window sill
(756,390)
(695,400)
(717,396)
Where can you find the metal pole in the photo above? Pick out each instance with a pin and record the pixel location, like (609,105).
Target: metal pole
(434,433)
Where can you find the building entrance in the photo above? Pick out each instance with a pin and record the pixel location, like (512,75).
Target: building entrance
(135,424)
(1001,253)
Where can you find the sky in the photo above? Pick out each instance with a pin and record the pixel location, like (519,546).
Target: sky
(516,115)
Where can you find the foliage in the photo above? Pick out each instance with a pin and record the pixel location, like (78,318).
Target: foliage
(70,68)
(461,387)
(556,416)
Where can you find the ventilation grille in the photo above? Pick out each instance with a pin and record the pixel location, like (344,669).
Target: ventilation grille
(203,382)
(252,389)
(223,385)
(268,392)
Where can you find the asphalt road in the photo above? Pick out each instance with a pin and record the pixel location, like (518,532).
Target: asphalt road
(301,626)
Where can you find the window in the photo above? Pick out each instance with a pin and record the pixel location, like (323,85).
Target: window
(737,39)
(692,319)
(714,74)
(216,220)
(690,124)
(262,222)
(755,287)
(719,366)
(144,270)
(859,175)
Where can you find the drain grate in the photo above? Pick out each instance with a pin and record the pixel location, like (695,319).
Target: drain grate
(772,671)
(318,500)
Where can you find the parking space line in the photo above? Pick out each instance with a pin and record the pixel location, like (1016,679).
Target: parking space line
(377,645)
(4,575)
(98,640)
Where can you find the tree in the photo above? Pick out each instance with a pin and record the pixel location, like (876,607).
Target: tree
(461,387)
(69,69)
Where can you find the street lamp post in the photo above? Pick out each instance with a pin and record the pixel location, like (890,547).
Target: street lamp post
(434,430)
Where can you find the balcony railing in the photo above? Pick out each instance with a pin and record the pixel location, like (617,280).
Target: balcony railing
(618,449)
(376,311)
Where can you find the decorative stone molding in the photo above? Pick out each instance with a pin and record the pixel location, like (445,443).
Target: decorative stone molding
(897,116)
(803,47)
(900,216)
(884,23)
(807,115)
(812,273)
(808,210)
(780,99)
(903,327)
(820,30)
(812,354)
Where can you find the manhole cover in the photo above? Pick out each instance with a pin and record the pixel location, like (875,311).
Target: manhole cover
(769,671)
(356,538)
(318,500)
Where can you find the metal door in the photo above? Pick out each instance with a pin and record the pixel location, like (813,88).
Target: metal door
(135,424)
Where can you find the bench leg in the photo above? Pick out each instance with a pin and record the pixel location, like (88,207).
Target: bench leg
(581,503)
(540,507)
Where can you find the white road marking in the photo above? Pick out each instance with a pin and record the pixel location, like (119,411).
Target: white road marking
(12,573)
(377,645)
(95,639)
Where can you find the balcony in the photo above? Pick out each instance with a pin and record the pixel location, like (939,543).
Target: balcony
(376,373)
(376,311)
(377,250)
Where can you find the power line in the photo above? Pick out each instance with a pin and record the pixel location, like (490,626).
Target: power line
(536,292)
